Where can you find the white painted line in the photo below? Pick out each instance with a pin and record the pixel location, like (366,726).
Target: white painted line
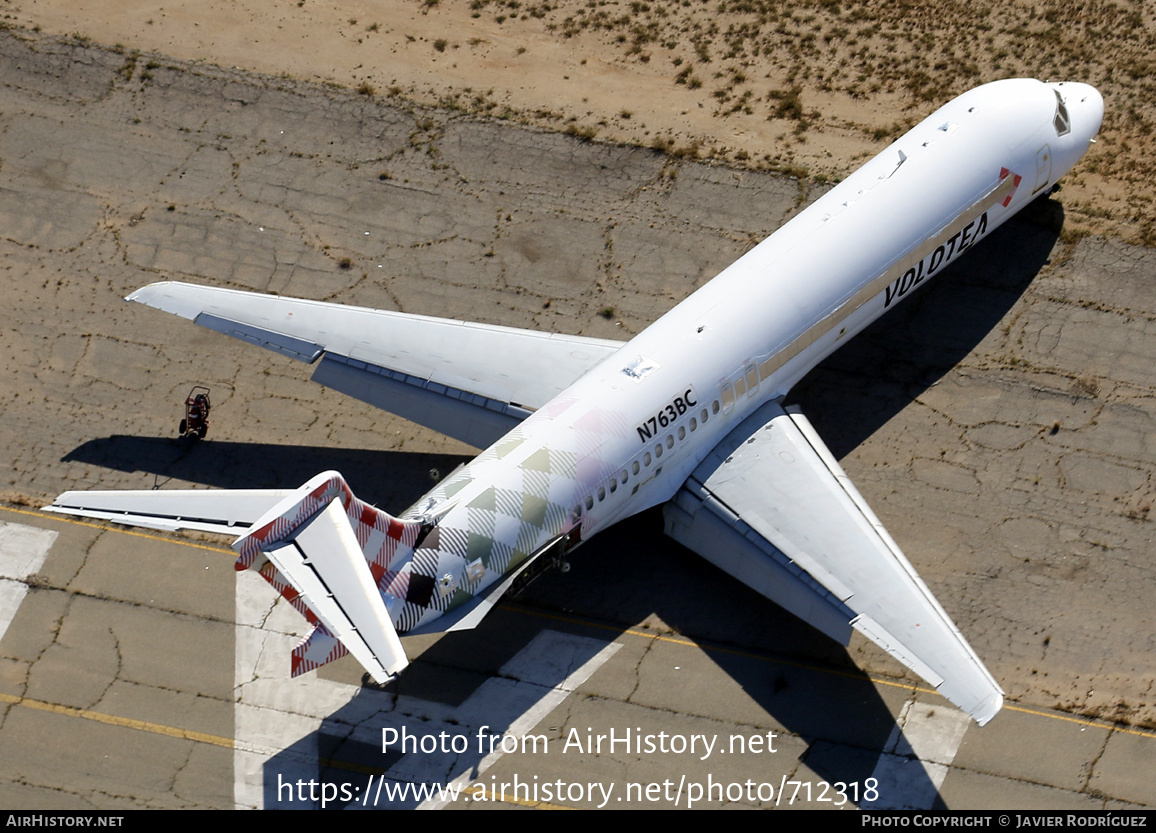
(22,553)
(917,756)
(23,549)
(535,669)
(278,720)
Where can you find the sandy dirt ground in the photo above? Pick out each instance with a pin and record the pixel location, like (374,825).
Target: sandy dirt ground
(811,88)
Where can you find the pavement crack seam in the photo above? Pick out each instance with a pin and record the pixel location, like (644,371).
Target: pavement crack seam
(650,643)
(115,677)
(1091,768)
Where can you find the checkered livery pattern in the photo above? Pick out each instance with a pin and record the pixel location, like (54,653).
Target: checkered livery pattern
(514,499)
(319,646)
(287,590)
(315,650)
(511,501)
(281,528)
(386,542)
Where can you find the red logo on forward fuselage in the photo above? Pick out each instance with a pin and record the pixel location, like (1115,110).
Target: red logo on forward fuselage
(1003,174)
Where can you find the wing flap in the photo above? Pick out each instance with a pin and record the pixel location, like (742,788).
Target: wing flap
(293,348)
(698,521)
(775,474)
(469,417)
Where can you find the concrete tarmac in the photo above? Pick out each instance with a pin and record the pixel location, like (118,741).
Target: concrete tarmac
(998,423)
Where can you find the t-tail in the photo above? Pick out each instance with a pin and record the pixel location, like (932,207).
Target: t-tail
(338,561)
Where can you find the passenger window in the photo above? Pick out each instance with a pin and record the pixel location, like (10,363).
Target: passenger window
(681,433)
(635,467)
(670,440)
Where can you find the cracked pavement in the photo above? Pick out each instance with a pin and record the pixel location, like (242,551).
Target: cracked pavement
(1000,423)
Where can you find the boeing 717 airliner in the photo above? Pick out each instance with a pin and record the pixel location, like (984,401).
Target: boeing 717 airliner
(580,433)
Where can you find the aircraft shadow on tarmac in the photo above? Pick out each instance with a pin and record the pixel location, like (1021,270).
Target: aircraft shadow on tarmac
(391,480)
(883,369)
(805,681)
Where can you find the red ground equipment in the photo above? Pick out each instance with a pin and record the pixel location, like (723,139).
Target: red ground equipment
(196,421)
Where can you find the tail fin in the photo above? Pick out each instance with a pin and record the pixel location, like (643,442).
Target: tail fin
(335,558)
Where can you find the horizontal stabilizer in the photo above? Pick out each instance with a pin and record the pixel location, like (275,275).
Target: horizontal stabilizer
(331,555)
(229,512)
(469,417)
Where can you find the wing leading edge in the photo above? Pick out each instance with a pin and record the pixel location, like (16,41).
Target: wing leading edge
(473,382)
(771,506)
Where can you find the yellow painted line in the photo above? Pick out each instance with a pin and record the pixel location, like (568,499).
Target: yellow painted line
(1085,721)
(227,743)
(113,720)
(517,802)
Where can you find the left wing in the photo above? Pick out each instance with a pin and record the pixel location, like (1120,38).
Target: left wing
(771,506)
(473,382)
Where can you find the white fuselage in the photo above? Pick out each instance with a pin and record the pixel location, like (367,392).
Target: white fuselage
(626,435)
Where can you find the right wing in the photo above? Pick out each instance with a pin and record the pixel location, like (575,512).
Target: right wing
(771,506)
(473,382)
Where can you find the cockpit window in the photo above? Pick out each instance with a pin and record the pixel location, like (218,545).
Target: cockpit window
(1062,123)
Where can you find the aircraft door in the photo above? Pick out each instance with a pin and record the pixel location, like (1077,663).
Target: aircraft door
(752,374)
(1043,168)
